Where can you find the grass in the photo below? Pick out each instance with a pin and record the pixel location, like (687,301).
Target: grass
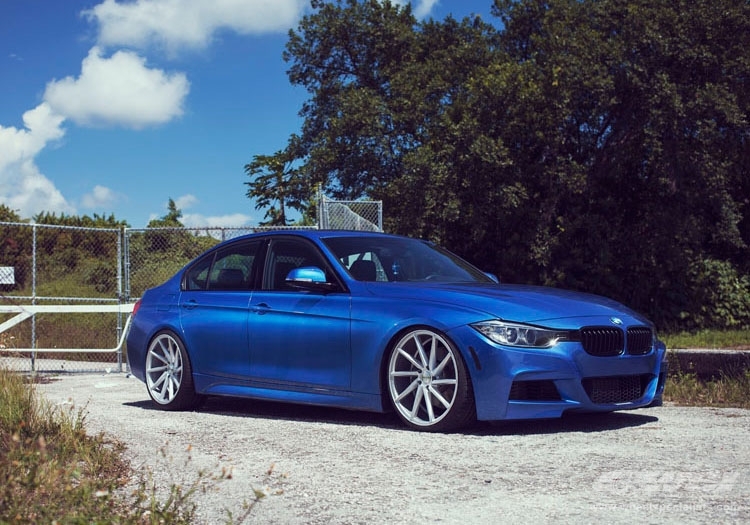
(689,390)
(52,471)
(739,339)
(728,390)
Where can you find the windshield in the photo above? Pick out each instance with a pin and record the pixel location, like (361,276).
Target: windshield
(386,259)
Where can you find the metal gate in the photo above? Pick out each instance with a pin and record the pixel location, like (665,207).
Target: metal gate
(61,302)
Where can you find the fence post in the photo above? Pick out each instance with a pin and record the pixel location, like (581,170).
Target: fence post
(119,295)
(33,294)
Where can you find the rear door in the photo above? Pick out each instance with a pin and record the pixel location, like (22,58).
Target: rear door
(214,307)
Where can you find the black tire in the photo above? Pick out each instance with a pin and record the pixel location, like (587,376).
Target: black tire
(428,382)
(169,376)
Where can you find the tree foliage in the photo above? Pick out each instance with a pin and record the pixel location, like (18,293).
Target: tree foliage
(164,248)
(277,185)
(78,252)
(592,144)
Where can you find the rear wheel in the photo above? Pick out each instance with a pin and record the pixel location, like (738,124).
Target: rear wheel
(169,378)
(428,382)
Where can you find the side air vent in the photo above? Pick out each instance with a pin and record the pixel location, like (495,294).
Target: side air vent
(534,391)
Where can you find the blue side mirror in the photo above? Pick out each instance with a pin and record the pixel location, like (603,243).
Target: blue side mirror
(309,278)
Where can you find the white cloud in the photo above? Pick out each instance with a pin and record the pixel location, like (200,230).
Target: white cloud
(424,8)
(22,186)
(99,197)
(184,202)
(25,189)
(197,220)
(177,24)
(234,220)
(41,126)
(120,90)
(420,8)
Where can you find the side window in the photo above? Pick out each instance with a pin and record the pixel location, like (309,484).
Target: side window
(365,266)
(286,255)
(232,268)
(196,277)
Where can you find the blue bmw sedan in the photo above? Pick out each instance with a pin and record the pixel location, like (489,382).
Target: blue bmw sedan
(378,322)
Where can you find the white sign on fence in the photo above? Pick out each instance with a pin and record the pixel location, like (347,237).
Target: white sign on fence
(7,275)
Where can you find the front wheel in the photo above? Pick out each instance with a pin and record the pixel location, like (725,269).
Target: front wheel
(428,382)
(169,378)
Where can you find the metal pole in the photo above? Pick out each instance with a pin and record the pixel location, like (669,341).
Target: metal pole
(119,296)
(33,295)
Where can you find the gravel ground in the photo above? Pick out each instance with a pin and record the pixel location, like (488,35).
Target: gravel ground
(664,464)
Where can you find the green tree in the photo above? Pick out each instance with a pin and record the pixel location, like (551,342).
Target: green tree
(381,121)
(652,110)
(276,181)
(170,220)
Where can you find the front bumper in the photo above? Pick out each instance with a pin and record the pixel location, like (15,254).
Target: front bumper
(525,383)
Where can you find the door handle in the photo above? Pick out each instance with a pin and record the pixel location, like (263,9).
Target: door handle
(260,308)
(189,305)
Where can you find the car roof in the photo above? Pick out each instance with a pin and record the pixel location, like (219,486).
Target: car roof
(320,234)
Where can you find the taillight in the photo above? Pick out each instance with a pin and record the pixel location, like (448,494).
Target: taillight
(136,306)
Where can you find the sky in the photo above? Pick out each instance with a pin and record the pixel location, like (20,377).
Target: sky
(115,107)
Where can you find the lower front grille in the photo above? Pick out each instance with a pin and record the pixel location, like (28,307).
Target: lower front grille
(617,389)
(534,391)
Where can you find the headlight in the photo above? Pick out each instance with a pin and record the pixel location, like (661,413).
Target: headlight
(516,334)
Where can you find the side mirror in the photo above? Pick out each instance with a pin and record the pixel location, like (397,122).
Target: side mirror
(309,278)
(492,276)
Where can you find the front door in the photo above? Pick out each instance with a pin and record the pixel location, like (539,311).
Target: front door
(299,338)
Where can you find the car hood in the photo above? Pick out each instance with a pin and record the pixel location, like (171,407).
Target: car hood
(521,303)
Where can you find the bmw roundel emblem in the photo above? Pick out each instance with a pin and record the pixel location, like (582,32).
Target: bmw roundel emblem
(616,320)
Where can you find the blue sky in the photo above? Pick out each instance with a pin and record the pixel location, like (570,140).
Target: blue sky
(114,107)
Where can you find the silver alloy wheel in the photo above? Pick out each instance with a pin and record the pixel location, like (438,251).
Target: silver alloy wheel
(164,369)
(423,377)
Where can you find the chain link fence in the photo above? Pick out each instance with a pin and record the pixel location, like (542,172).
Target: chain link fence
(351,215)
(66,292)
(60,297)
(152,255)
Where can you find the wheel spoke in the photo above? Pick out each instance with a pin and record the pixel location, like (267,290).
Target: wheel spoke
(439,368)
(428,405)
(171,352)
(408,390)
(422,354)
(170,388)
(448,381)
(417,402)
(433,354)
(439,397)
(405,373)
(160,357)
(409,358)
(159,381)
